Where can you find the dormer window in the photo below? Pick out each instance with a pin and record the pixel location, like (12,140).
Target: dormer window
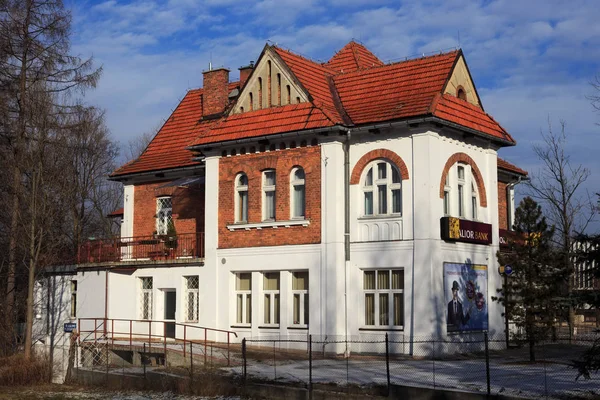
(461,93)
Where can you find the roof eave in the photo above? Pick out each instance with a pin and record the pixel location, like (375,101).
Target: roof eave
(143,174)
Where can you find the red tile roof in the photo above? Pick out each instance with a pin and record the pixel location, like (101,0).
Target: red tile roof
(461,112)
(268,121)
(394,91)
(117,213)
(316,79)
(505,165)
(352,57)
(366,92)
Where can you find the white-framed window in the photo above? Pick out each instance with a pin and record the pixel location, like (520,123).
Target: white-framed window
(146,287)
(461,197)
(243,293)
(384,297)
(461,190)
(192,295)
(447,190)
(382,189)
(474,206)
(241,198)
(300,296)
(271,298)
(268,187)
(73,299)
(298,193)
(164,214)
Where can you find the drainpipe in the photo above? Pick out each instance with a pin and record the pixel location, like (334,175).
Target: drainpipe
(508,201)
(346,233)
(105,302)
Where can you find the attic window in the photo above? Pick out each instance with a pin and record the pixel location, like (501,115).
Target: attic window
(461,93)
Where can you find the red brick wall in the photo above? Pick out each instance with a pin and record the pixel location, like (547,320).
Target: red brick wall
(502,206)
(188,208)
(282,162)
(464,158)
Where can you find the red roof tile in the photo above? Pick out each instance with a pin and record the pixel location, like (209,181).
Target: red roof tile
(316,79)
(117,213)
(396,90)
(366,92)
(168,149)
(505,165)
(268,121)
(352,57)
(461,112)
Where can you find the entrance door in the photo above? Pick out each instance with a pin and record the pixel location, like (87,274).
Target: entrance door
(170,308)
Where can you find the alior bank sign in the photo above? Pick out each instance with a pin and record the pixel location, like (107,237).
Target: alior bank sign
(459,230)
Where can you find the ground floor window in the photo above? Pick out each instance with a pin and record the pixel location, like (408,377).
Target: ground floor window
(243,288)
(192,307)
(73,299)
(271,297)
(384,297)
(300,295)
(146,297)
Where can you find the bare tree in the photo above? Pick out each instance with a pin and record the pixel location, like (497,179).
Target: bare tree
(558,186)
(34,37)
(137,145)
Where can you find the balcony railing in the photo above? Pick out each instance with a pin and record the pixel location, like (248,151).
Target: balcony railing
(156,247)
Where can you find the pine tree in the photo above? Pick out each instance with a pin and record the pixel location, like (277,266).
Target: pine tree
(531,291)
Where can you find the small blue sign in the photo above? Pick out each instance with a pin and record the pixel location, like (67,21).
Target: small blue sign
(508,269)
(70,326)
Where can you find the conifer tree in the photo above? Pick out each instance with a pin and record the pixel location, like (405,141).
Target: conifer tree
(531,290)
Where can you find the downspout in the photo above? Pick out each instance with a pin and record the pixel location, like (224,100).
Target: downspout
(346,233)
(509,203)
(105,302)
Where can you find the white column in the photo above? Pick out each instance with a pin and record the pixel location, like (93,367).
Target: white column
(331,296)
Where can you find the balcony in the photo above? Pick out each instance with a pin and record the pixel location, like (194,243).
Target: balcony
(153,249)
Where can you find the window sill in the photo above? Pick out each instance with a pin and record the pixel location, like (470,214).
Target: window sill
(268,327)
(378,217)
(298,327)
(382,328)
(268,224)
(241,326)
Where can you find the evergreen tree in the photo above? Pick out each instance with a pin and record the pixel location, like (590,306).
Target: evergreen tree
(530,294)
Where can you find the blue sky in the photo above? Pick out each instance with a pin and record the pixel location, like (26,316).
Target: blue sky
(531,60)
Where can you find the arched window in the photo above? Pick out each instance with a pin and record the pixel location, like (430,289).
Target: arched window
(461,93)
(268,195)
(260,94)
(382,189)
(289,94)
(241,198)
(461,197)
(297,195)
(251,100)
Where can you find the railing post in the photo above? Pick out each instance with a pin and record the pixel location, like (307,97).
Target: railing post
(130,333)
(387,361)
(184,338)
(79,330)
(95,330)
(191,360)
(150,333)
(205,347)
(487,362)
(165,340)
(228,354)
(144,360)
(244,359)
(112,333)
(310,363)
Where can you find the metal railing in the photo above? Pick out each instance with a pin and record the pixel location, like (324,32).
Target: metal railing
(152,247)
(140,330)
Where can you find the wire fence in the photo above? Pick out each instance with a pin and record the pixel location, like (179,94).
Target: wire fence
(473,362)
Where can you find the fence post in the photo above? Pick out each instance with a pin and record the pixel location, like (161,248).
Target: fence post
(433,360)
(244,359)
(143,359)
(487,362)
(387,361)
(106,362)
(274,362)
(310,363)
(191,365)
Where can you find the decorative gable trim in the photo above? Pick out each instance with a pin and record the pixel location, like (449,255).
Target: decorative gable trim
(271,84)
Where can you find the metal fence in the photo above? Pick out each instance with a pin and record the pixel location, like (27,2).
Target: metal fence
(469,363)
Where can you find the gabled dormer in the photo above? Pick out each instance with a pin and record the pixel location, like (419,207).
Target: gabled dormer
(271,84)
(460,83)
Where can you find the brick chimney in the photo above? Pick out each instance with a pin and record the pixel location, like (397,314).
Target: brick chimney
(245,72)
(214,96)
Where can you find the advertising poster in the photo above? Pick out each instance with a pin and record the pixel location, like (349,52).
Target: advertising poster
(465,289)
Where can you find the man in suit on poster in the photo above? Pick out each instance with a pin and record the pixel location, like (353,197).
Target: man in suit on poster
(456,318)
